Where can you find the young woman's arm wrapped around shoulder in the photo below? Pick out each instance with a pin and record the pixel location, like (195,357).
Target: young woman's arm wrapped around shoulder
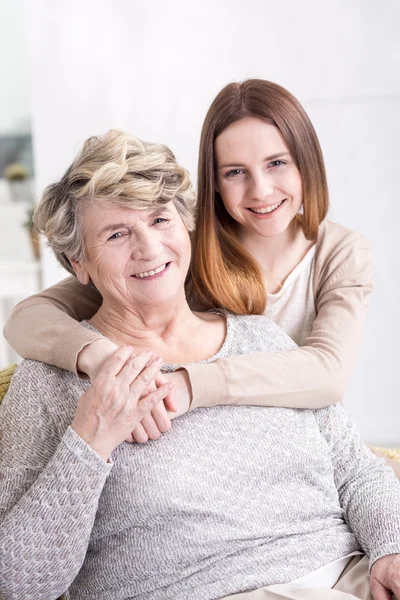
(312,376)
(315,375)
(46,326)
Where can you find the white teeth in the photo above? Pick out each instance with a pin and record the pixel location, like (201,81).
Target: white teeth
(150,273)
(268,209)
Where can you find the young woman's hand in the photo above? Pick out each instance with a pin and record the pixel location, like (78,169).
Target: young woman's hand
(93,356)
(175,405)
(157,422)
(183,392)
(114,404)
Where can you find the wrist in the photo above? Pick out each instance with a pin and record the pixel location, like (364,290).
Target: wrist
(92,356)
(96,445)
(182,390)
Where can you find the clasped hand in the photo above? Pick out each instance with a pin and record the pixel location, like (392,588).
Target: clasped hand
(177,402)
(119,399)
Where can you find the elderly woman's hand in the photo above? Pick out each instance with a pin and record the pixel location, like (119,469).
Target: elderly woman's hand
(385,577)
(112,406)
(91,359)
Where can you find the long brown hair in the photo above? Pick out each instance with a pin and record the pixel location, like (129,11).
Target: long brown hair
(224,273)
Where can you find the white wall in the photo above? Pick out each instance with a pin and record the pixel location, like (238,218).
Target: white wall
(152,68)
(15,102)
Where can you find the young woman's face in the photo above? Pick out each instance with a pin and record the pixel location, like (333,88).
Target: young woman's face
(256,177)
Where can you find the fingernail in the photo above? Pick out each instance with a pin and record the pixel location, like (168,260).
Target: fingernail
(150,352)
(170,386)
(159,360)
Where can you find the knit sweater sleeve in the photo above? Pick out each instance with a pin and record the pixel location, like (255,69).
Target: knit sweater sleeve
(369,492)
(316,374)
(46,326)
(50,484)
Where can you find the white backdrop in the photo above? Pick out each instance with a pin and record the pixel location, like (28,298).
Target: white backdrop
(153,68)
(15,102)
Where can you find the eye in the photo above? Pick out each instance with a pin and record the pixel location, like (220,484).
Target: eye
(233,173)
(277,163)
(160,221)
(115,236)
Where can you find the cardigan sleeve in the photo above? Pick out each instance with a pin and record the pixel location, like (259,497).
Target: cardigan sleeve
(51,482)
(368,491)
(315,375)
(46,326)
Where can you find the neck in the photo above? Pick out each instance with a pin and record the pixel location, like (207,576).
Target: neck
(280,254)
(150,328)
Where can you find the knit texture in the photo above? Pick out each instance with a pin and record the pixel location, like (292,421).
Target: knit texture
(230,499)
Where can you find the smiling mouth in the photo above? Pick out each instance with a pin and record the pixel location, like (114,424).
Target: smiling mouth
(267,209)
(146,274)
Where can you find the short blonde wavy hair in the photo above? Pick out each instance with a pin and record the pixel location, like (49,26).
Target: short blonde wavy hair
(115,167)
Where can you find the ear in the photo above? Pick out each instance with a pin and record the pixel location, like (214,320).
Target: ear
(80,271)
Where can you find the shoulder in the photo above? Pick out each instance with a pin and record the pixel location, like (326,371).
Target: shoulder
(39,373)
(334,238)
(256,333)
(40,384)
(341,253)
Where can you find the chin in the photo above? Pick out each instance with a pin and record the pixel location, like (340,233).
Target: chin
(271,230)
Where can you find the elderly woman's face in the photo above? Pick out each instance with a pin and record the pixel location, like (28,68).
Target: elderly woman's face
(136,256)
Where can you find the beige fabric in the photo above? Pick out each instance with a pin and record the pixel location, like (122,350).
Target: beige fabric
(352,585)
(293,306)
(310,377)
(315,375)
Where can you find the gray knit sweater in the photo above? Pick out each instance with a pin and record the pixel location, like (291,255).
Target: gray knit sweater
(230,499)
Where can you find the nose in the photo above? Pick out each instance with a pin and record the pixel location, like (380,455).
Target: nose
(261,186)
(147,245)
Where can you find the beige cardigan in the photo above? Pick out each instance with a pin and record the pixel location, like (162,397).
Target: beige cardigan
(312,376)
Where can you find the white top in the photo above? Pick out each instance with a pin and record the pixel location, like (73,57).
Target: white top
(293,306)
(325,577)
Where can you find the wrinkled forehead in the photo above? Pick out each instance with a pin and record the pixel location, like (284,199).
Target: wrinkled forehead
(100,215)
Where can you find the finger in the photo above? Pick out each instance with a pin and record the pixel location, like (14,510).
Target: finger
(150,426)
(170,400)
(139,434)
(147,404)
(113,365)
(160,418)
(145,377)
(379,592)
(134,367)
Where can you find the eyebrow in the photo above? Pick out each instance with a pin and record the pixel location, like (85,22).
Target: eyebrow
(159,210)
(267,159)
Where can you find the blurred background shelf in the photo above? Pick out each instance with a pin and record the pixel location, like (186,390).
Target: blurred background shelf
(19,270)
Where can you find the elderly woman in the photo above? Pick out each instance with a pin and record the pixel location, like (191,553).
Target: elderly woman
(231,499)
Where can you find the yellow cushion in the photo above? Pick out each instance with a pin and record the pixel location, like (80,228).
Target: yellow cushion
(390,452)
(5,380)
